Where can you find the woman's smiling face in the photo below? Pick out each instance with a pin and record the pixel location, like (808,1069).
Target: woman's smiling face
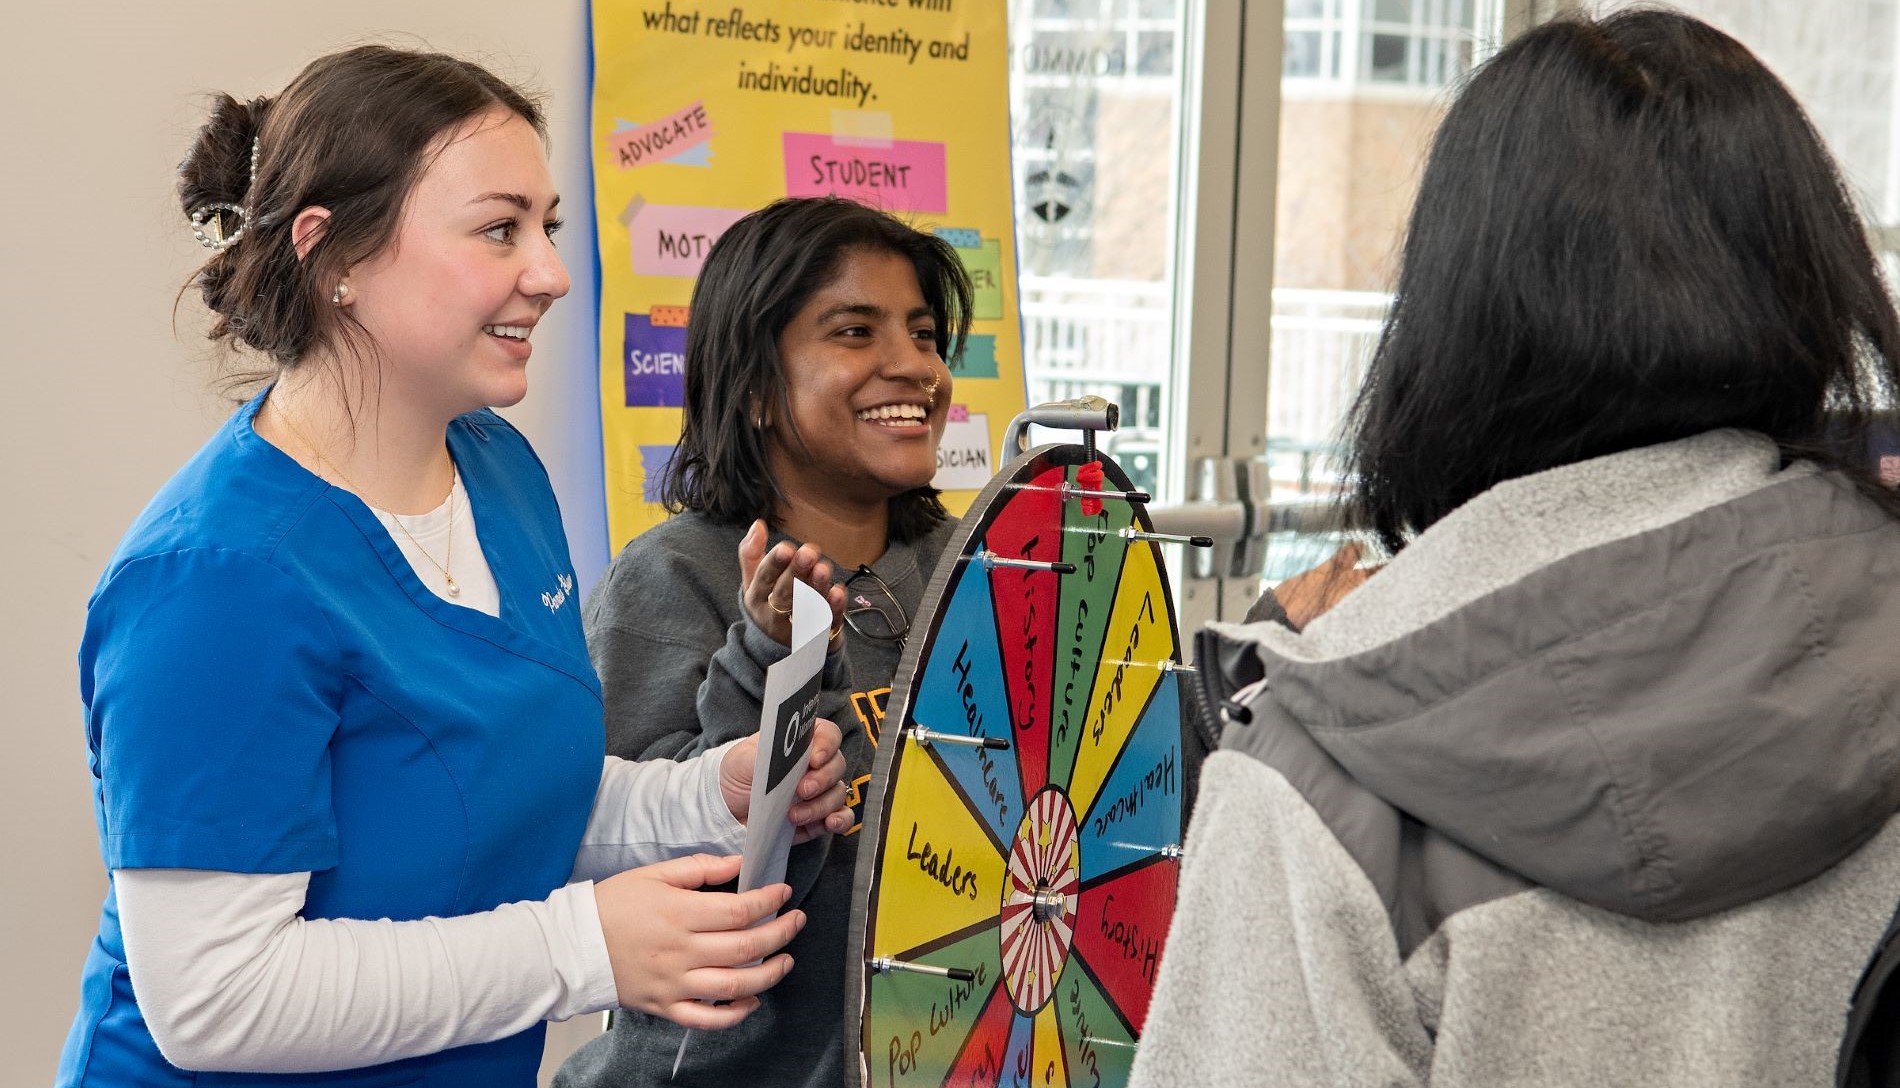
(450,302)
(867,390)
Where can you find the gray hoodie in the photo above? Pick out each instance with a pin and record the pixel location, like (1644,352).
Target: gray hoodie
(1591,785)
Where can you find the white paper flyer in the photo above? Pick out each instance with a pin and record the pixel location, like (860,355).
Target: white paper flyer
(786,716)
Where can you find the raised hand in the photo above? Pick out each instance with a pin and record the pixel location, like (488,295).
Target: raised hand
(1307,595)
(766,577)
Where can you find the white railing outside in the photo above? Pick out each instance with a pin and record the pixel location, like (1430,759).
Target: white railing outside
(1110,338)
(1113,339)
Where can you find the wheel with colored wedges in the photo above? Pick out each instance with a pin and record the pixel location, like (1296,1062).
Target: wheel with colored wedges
(1024,835)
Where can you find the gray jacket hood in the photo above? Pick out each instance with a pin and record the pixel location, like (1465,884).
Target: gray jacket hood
(1662,682)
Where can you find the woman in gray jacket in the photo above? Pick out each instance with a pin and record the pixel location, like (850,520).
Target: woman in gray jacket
(817,387)
(1593,782)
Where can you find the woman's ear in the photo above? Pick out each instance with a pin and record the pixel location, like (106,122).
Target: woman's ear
(307,228)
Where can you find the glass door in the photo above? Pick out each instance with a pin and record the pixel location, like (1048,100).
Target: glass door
(1363,86)
(1210,198)
(1127,138)
(1096,98)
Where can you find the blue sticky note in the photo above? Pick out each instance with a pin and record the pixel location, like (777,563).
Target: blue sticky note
(653,462)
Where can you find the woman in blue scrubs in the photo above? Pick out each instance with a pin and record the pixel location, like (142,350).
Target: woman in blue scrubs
(347,746)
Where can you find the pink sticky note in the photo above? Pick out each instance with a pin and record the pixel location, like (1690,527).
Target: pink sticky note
(677,132)
(906,176)
(672,239)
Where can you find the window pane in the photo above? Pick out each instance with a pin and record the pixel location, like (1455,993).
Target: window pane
(1302,54)
(1392,11)
(1095,106)
(1156,52)
(1349,166)
(1067,9)
(1071,53)
(1386,57)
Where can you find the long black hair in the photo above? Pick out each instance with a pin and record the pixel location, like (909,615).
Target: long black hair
(1627,232)
(756,278)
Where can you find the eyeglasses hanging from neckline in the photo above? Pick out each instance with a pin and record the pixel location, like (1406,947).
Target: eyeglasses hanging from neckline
(872,610)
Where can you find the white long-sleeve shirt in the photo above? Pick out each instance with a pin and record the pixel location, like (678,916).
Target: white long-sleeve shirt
(230,976)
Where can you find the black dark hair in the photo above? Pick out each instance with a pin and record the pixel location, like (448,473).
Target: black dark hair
(756,278)
(1627,232)
(350,134)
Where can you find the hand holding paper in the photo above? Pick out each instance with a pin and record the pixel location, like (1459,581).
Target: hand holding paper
(675,949)
(822,790)
(788,721)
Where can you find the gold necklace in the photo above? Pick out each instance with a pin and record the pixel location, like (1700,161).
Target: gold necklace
(448,554)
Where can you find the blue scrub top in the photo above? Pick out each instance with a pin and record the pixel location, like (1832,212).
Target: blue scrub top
(269,688)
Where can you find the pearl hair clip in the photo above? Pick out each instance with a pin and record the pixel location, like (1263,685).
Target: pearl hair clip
(212,216)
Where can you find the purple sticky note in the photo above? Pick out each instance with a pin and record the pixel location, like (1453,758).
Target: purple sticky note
(654,361)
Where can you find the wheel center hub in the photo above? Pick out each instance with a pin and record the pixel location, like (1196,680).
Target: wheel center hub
(1039,899)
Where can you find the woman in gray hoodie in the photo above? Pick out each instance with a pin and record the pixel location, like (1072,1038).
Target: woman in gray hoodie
(1593,782)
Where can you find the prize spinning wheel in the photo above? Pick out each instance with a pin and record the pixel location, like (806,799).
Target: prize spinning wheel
(1024,836)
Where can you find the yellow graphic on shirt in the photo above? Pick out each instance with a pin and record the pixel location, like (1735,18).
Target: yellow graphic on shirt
(855,792)
(870,707)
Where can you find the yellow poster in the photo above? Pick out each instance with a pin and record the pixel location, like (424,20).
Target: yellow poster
(705,110)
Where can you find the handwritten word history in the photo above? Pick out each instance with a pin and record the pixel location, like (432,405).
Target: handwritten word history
(1133,942)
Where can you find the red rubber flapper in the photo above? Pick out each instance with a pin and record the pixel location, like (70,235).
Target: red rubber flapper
(1089,478)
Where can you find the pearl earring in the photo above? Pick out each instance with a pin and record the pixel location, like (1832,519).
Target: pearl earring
(337,296)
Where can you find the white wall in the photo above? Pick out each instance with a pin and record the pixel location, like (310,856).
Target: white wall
(103,401)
